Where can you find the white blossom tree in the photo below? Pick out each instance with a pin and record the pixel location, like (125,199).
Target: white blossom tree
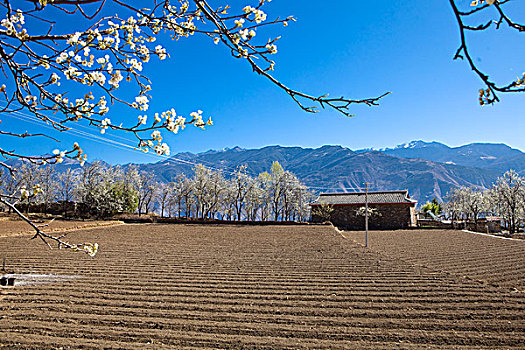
(215,194)
(229,201)
(454,205)
(475,203)
(467,203)
(78,72)
(505,199)
(179,196)
(275,187)
(256,203)
(48,182)
(508,194)
(241,184)
(104,190)
(29,180)
(66,187)
(145,186)
(162,195)
(68,75)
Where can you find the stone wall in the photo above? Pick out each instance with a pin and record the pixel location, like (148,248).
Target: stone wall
(391,216)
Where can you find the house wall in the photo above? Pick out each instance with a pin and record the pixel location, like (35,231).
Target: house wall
(392,216)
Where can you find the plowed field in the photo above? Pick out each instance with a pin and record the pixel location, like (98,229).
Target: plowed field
(496,261)
(13,226)
(201,287)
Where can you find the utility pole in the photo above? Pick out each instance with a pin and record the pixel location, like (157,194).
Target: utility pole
(366,214)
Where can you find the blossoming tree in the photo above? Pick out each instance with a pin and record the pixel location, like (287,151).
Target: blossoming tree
(76,74)
(73,75)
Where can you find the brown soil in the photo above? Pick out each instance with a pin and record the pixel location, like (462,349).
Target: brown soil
(492,260)
(14,226)
(231,287)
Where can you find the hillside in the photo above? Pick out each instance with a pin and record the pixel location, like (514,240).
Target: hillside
(332,168)
(426,169)
(493,156)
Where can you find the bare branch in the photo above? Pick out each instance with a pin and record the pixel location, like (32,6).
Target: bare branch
(490,94)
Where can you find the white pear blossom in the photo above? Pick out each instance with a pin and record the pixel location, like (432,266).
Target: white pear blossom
(155,135)
(116,78)
(161,52)
(143,119)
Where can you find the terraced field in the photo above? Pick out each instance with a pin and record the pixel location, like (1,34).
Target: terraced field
(203,287)
(496,261)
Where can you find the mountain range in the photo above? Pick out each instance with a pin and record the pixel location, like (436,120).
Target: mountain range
(426,169)
(494,156)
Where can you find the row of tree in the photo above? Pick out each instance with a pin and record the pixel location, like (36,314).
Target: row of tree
(101,190)
(505,199)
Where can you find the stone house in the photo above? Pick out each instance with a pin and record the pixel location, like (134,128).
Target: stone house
(390,210)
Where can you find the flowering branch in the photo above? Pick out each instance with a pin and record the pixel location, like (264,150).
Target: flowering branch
(88,248)
(113,49)
(76,74)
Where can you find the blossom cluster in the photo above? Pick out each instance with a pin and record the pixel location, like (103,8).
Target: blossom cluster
(172,122)
(10,23)
(26,193)
(90,249)
(114,50)
(259,15)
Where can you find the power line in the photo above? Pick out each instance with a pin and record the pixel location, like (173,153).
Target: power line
(120,145)
(97,138)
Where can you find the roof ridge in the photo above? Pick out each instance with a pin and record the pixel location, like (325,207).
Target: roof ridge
(369,192)
(376,197)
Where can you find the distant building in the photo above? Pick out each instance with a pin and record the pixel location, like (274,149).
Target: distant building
(390,210)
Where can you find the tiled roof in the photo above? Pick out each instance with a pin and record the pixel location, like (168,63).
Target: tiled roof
(375,197)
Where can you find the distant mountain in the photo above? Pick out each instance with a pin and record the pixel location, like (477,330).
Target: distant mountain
(494,156)
(426,169)
(332,168)
(66,164)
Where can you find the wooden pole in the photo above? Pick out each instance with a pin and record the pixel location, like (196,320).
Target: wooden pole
(366,214)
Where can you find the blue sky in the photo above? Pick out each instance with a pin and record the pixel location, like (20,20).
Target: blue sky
(357,49)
